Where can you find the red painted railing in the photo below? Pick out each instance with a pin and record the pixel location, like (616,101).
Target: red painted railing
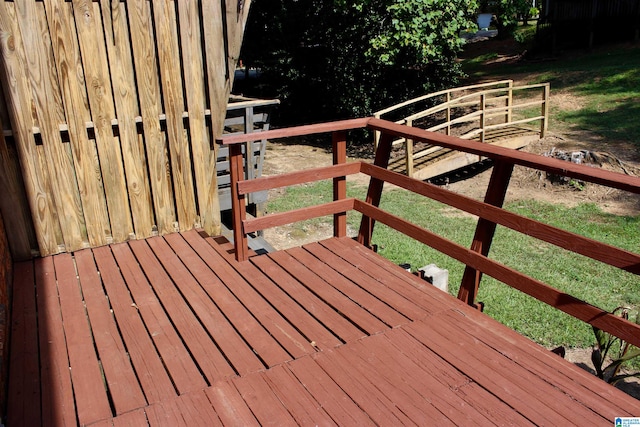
(490,211)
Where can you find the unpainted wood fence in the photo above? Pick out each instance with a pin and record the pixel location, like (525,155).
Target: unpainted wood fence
(109,110)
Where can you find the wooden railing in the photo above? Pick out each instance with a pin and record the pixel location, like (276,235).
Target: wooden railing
(480,109)
(490,211)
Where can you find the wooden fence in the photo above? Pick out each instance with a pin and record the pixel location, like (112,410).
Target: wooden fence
(109,111)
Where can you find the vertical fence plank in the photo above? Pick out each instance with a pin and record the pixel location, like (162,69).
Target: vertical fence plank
(339,142)
(171,79)
(192,61)
(72,83)
(18,94)
(144,55)
(126,105)
(95,64)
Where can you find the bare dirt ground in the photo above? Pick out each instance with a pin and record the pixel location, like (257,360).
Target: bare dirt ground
(525,184)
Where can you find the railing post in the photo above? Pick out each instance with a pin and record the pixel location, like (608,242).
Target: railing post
(448,113)
(376,135)
(374,193)
(508,116)
(238,205)
(545,111)
(339,142)
(409,152)
(485,229)
(483,104)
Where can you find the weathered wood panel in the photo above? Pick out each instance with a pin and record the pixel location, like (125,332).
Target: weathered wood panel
(106,102)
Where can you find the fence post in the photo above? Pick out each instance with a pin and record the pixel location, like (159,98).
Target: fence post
(483,102)
(339,142)
(448,113)
(409,152)
(508,116)
(545,111)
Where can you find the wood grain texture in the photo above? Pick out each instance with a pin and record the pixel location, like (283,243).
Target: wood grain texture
(73,88)
(18,93)
(146,71)
(120,61)
(173,101)
(95,63)
(200,139)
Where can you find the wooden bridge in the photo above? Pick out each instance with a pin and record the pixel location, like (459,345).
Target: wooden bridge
(497,113)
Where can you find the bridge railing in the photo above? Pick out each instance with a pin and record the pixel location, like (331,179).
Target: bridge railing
(471,112)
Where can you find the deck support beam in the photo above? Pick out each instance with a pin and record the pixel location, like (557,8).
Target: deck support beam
(485,229)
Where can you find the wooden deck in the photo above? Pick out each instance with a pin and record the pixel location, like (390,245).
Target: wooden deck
(173,331)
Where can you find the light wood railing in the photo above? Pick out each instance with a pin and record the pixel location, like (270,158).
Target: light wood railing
(481,108)
(490,212)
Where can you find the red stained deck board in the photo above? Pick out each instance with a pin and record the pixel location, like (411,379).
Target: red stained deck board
(24,378)
(205,352)
(265,346)
(125,391)
(418,291)
(183,371)
(149,368)
(325,314)
(535,399)
(263,402)
(297,262)
(135,418)
(333,399)
(92,402)
(229,405)
(365,392)
(300,404)
(294,314)
(208,356)
(58,405)
(287,335)
(610,401)
(236,350)
(191,409)
(347,279)
(472,393)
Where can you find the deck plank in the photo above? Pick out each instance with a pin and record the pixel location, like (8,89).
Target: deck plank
(89,389)
(24,379)
(300,404)
(297,261)
(346,278)
(207,353)
(236,350)
(131,419)
(58,405)
(289,337)
(174,355)
(229,405)
(330,318)
(149,367)
(265,405)
(333,399)
(124,388)
(311,329)
(255,333)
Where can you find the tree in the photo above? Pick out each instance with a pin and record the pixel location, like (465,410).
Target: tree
(337,58)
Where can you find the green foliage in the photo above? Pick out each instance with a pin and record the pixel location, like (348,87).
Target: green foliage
(335,59)
(618,351)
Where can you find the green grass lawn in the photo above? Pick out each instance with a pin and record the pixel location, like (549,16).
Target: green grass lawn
(601,285)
